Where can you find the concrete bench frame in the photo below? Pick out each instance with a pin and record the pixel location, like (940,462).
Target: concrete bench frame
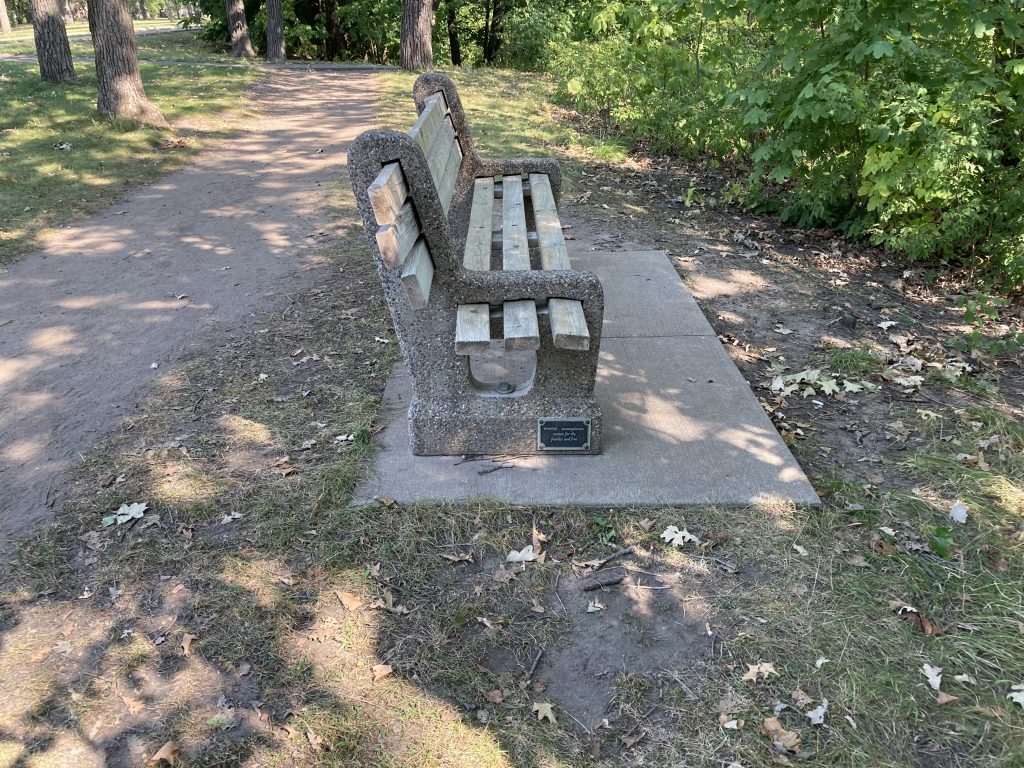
(418,212)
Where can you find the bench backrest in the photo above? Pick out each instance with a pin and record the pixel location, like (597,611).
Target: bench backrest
(399,233)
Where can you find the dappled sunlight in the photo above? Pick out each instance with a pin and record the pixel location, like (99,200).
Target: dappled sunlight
(183,482)
(738,283)
(55,340)
(22,451)
(242,430)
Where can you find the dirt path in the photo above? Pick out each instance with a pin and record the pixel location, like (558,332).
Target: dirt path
(174,269)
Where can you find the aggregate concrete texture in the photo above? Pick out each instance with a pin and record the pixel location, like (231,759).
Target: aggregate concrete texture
(681,424)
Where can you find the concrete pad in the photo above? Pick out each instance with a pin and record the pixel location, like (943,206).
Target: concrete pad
(681,425)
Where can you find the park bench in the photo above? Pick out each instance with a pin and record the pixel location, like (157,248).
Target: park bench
(500,334)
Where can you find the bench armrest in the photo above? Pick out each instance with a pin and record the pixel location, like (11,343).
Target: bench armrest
(491,287)
(524,165)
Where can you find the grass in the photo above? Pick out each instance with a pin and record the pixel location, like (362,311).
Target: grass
(43,186)
(78,28)
(262,588)
(179,45)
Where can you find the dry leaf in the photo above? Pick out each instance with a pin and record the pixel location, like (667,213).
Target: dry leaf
(350,600)
(647,523)
(595,606)
(782,740)
(525,555)
(801,699)
(538,606)
(1017,695)
(934,675)
(288,580)
(944,698)
(496,696)
(380,671)
(243,669)
(504,575)
(168,753)
(761,670)
(458,558)
(544,711)
(385,501)
(316,742)
(730,723)
(678,538)
(802,551)
(817,715)
(629,739)
(186,644)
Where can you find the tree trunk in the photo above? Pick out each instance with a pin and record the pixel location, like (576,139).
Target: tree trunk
(492,32)
(5,20)
(65,11)
(334,44)
(417,27)
(143,10)
(117,64)
(52,48)
(453,39)
(275,31)
(240,45)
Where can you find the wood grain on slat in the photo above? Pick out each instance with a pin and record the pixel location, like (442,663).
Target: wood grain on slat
(397,239)
(478,239)
(418,274)
(521,329)
(472,329)
(515,249)
(387,193)
(568,324)
(440,148)
(553,254)
(446,189)
(425,128)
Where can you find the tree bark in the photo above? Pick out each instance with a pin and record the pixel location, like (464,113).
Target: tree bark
(334,44)
(453,39)
(143,10)
(65,11)
(52,48)
(275,31)
(117,64)
(5,20)
(240,44)
(417,27)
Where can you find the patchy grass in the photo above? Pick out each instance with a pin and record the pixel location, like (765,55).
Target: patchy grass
(78,28)
(43,186)
(179,45)
(251,546)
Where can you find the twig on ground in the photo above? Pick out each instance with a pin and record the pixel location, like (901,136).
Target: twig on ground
(607,579)
(619,553)
(533,667)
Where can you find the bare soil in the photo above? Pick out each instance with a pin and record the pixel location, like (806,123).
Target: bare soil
(170,273)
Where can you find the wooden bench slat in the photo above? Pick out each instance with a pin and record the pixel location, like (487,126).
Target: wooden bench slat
(425,128)
(472,329)
(396,240)
(418,275)
(521,330)
(440,148)
(478,239)
(446,187)
(387,193)
(568,324)
(553,254)
(515,249)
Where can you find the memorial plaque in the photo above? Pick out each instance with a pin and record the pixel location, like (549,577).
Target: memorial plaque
(563,434)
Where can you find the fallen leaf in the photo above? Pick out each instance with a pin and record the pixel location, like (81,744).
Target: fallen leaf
(944,698)
(486,622)
(504,575)
(544,711)
(1018,694)
(630,739)
(243,669)
(387,603)
(647,523)
(678,538)
(965,679)
(595,606)
(288,580)
(537,606)
(496,696)
(958,513)
(457,558)
(380,671)
(761,670)
(934,675)
(350,600)
(168,753)
(525,555)
(782,740)
(731,723)
(800,550)
(783,330)
(821,662)
(125,513)
(801,699)
(817,715)
(186,644)
(316,742)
